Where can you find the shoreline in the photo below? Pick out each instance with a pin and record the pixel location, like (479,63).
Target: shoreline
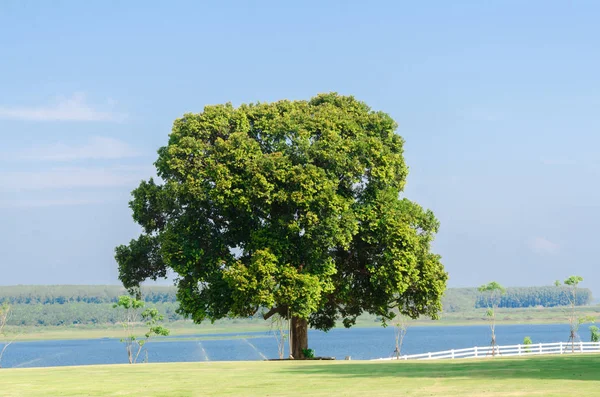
(189,331)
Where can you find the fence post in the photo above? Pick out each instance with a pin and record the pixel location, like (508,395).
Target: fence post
(429,355)
(452,352)
(540,348)
(475,351)
(581,347)
(561,348)
(519,349)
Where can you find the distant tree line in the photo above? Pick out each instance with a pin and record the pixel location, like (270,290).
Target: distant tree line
(89,305)
(76,314)
(459,299)
(95,294)
(465,299)
(55,305)
(538,296)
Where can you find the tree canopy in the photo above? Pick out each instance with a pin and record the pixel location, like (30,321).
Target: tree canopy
(573,281)
(492,287)
(292,206)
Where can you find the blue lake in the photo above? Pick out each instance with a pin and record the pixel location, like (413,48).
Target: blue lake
(359,343)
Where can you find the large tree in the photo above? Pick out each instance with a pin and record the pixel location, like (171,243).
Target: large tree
(292,207)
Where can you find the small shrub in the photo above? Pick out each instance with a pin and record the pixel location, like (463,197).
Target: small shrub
(594,334)
(308,353)
(527,341)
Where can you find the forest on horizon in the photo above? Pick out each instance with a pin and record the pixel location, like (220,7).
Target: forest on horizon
(55,305)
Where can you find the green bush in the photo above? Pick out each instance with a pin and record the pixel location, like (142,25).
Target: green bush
(527,341)
(595,333)
(308,353)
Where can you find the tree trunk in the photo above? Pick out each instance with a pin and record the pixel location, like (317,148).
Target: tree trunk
(299,337)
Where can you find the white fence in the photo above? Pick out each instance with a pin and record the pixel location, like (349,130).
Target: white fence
(506,351)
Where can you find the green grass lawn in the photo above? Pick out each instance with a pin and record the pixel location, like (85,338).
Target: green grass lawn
(577,375)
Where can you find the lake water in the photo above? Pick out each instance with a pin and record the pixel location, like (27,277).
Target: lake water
(359,343)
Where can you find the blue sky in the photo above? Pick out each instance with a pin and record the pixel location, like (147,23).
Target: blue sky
(497,101)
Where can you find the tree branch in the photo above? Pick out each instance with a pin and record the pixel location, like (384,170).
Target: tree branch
(270,313)
(8,343)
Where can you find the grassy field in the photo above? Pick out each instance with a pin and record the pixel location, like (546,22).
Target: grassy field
(577,375)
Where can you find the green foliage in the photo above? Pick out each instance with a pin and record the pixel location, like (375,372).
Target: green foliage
(527,341)
(594,334)
(492,287)
(491,293)
(585,319)
(308,353)
(573,281)
(132,312)
(128,302)
(574,321)
(293,206)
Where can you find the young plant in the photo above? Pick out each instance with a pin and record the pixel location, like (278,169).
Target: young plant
(527,341)
(4,315)
(492,293)
(574,321)
(594,334)
(400,324)
(134,314)
(280,329)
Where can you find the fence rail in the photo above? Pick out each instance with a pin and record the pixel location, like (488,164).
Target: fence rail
(505,351)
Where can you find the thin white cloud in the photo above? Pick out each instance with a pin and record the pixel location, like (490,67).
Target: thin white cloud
(67,178)
(74,108)
(42,203)
(542,246)
(96,148)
